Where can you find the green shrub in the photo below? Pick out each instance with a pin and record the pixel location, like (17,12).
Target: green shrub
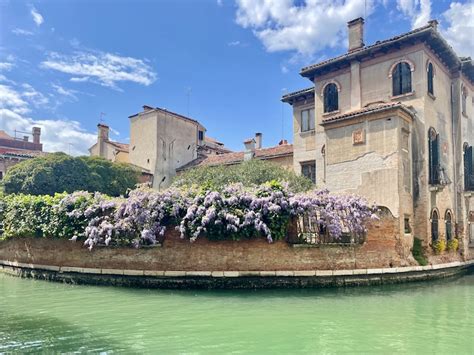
(250,173)
(439,246)
(453,244)
(418,253)
(59,172)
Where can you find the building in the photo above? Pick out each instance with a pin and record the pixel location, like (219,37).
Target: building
(394,122)
(161,141)
(13,149)
(281,155)
(110,150)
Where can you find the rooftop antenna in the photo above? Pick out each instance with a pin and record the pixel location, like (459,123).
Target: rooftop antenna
(283,92)
(188,98)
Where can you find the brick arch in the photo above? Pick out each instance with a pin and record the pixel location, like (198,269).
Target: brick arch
(392,67)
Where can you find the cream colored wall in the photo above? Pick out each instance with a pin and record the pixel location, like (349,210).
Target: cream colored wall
(285,162)
(122,157)
(143,140)
(174,136)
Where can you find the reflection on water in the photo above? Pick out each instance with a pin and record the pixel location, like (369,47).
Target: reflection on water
(422,318)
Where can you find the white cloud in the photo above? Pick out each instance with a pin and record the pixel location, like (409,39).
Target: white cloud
(71,94)
(233,43)
(22,32)
(105,68)
(220,3)
(286,25)
(56,135)
(460,30)
(418,11)
(33,96)
(6,65)
(12,99)
(37,17)
(79,80)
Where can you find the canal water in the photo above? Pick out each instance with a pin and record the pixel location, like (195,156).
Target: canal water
(424,318)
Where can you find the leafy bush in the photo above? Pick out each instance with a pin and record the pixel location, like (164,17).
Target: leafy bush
(250,173)
(439,246)
(58,172)
(142,218)
(453,244)
(418,253)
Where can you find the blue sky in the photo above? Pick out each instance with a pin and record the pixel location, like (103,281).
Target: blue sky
(62,63)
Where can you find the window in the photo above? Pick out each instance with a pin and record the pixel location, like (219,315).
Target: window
(1,175)
(434,225)
(434,167)
(463,100)
(407,227)
(308,169)
(201,135)
(331,99)
(430,79)
(449,225)
(401,79)
(307,120)
(468,168)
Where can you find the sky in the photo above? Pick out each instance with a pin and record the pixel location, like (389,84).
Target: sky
(67,65)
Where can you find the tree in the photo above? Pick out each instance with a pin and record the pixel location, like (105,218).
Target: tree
(59,172)
(250,173)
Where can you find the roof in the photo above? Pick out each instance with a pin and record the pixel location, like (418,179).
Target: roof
(426,33)
(298,95)
(374,108)
(152,109)
(212,140)
(21,153)
(124,147)
(238,157)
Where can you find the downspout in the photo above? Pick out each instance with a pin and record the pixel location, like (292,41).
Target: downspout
(455,163)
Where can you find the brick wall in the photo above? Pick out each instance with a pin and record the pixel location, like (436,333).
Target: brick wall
(383,248)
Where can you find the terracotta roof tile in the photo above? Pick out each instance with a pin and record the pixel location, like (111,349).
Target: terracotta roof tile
(124,147)
(5,135)
(237,157)
(22,152)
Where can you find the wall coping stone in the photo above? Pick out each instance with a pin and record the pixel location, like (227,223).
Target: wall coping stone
(235,273)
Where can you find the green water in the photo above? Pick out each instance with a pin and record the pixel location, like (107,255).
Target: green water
(435,317)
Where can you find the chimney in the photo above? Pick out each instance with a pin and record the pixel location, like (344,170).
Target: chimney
(258,140)
(102,138)
(356,34)
(103,132)
(249,149)
(25,138)
(36,135)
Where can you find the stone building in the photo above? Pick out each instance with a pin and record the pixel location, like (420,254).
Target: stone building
(13,149)
(161,141)
(394,122)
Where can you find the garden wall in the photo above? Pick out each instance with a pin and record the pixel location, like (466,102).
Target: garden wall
(383,248)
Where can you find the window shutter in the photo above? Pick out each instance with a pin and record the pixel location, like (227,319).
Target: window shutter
(312,118)
(406,78)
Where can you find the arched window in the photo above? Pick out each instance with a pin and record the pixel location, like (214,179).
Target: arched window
(401,79)
(434,225)
(331,98)
(430,73)
(448,219)
(434,167)
(463,100)
(468,168)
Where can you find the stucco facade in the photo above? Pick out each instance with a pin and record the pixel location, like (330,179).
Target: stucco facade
(376,143)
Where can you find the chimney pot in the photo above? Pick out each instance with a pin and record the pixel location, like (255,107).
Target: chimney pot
(356,34)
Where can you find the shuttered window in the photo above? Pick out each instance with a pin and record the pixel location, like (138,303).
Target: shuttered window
(331,98)
(449,226)
(307,120)
(401,79)
(434,166)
